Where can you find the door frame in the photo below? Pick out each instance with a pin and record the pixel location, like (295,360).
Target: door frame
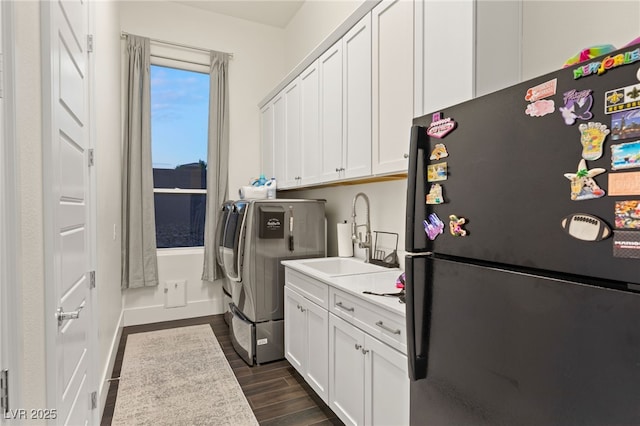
(10,284)
(49,204)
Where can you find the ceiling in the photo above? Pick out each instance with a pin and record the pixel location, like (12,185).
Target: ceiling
(276,13)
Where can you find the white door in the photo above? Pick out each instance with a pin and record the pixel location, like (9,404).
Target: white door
(317,328)
(295,337)
(386,386)
(292,152)
(68,236)
(330,64)
(310,125)
(356,130)
(346,371)
(392,75)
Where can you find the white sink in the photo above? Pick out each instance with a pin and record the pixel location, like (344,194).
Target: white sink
(337,266)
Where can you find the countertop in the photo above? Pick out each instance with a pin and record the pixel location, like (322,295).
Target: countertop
(383,281)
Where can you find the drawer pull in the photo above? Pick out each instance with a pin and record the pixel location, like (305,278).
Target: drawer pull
(389,329)
(340,305)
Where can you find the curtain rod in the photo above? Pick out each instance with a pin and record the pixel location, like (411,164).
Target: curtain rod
(124,35)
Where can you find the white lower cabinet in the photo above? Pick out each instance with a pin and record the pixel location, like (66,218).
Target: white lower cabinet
(350,351)
(368,380)
(306,340)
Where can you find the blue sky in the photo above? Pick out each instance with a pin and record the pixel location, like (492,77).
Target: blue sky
(179,116)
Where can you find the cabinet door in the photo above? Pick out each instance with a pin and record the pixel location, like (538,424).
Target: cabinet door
(444,70)
(317,332)
(386,384)
(356,69)
(295,330)
(310,125)
(266,136)
(346,371)
(330,64)
(279,138)
(292,151)
(392,74)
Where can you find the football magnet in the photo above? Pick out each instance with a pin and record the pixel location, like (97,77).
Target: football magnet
(585,227)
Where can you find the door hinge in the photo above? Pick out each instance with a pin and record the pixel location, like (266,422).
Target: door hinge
(89,43)
(4,391)
(92,157)
(94,400)
(92,279)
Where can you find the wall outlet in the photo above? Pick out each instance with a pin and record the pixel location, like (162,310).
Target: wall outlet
(175,293)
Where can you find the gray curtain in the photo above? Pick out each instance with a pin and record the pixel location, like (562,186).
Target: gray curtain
(139,260)
(218,159)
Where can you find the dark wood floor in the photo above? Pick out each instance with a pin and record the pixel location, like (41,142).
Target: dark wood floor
(278,395)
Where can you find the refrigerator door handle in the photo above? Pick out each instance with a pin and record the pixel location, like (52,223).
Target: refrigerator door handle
(418,318)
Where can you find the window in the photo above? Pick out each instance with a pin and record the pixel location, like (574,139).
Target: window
(179,126)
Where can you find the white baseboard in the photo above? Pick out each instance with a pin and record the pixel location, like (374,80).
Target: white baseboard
(106,374)
(158,313)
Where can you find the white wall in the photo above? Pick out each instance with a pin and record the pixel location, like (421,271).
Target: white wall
(553,31)
(387,202)
(313,22)
(257,66)
(31,257)
(106,113)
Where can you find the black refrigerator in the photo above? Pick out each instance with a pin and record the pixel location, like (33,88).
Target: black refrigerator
(523,241)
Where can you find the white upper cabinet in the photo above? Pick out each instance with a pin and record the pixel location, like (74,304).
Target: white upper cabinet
(279,138)
(266,136)
(330,64)
(292,146)
(392,67)
(310,125)
(356,69)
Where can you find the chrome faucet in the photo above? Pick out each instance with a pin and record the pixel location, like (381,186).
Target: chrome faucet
(357,237)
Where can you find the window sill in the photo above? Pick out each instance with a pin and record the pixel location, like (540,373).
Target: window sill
(180,251)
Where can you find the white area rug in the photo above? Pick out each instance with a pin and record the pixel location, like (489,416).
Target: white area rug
(178,376)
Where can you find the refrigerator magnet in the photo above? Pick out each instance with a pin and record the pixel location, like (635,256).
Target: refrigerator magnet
(625,124)
(455,226)
(435,194)
(583,186)
(433,227)
(437,172)
(626,244)
(439,152)
(577,104)
(439,126)
(540,108)
(627,214)
(622,99)
(624,183)
(625,155)
(544,90)
(592,136)
(585,227)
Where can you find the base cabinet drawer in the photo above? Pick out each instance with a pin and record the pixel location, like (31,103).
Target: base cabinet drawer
(379,323)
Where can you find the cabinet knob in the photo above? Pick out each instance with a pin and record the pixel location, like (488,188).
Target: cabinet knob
(337,169)
(406,155)
(358,346)
(365,351)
